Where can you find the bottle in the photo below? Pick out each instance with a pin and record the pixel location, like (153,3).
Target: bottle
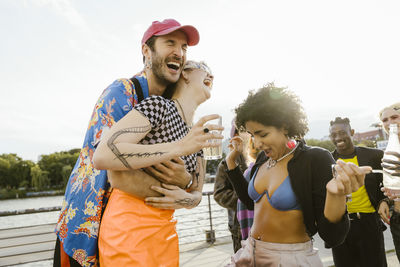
(392,183)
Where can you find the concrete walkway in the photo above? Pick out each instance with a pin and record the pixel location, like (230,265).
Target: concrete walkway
(219,253)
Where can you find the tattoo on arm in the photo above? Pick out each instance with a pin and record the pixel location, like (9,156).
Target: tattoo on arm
(186,202)
(113,147)
(142,155)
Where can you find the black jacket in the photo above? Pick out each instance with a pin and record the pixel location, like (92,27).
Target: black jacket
(309,171)
(369,157)
(224,194)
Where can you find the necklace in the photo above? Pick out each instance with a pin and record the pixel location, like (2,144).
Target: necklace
(271,162)
(183,113)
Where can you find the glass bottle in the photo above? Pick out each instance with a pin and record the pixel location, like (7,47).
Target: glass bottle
(392,183)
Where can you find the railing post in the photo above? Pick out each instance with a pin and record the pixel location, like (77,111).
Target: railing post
(210,234)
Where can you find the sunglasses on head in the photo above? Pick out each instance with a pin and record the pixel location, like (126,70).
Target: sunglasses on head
(197,65)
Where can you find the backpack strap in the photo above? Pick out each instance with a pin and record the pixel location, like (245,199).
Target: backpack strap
(138,89)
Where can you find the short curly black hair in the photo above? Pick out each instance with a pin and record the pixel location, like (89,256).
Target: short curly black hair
(339,120)
(273,106)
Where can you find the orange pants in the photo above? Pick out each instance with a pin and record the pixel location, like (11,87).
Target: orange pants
(135,234)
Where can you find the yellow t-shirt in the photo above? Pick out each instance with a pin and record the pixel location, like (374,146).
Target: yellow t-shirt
(359,200)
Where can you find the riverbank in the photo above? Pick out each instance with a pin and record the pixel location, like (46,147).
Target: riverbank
(22,193)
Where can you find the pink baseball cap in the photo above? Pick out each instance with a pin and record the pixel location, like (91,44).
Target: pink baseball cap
(166,26)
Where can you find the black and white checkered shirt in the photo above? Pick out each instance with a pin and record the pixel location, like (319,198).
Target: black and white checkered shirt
(167,125)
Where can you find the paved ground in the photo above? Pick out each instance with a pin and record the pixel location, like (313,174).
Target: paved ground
(216,255)
(219,254)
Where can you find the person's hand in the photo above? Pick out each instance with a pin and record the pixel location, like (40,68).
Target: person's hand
(235,146)
(390,193)
(392,166)
(383,211)
(171,172)
(174,198)
(348,178)
(198,136)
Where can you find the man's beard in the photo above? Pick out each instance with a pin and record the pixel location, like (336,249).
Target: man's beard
(157,66)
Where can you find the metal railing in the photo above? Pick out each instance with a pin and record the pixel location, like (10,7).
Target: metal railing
(206,222)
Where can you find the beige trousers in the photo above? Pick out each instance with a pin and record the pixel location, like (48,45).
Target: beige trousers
(258,253)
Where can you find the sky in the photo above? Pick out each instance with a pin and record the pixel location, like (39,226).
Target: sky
(56,57)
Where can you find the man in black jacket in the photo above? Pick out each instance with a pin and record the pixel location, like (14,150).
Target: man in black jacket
(364,244)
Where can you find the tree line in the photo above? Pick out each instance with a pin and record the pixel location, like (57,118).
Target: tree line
(50,172)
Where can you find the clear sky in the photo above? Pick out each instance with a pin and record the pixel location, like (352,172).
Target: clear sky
(56,56)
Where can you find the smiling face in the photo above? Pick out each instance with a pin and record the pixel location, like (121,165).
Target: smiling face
(268,138)
(341,136)
(168,57)
(390,116)
(200,83)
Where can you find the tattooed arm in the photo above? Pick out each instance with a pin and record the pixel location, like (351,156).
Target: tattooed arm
(176,198)
(139,183)
(119,148)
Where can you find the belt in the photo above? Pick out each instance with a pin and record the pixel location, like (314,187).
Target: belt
(359,215)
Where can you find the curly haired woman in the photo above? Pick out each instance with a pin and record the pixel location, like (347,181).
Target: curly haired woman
(292,189)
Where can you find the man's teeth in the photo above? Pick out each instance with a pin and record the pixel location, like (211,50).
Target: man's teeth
(173,65)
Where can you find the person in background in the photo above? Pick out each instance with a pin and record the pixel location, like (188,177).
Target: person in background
(292,189)
(225,195)
(364,244)
(244,214)
(164,47)
(391,115)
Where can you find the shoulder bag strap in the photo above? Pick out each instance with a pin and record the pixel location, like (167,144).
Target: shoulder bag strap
(138,89)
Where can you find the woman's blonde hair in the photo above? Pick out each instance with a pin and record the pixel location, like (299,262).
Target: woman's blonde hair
(191,64)
(395,107)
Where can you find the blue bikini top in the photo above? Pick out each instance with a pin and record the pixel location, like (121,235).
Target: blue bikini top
(283,198)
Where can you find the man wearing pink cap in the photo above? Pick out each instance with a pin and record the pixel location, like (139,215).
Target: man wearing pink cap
(164,47)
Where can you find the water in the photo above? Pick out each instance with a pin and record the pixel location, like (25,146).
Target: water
(191,226)
(29,219)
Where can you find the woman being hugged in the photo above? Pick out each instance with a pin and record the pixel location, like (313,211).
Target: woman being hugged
(292,190)
(157,130)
